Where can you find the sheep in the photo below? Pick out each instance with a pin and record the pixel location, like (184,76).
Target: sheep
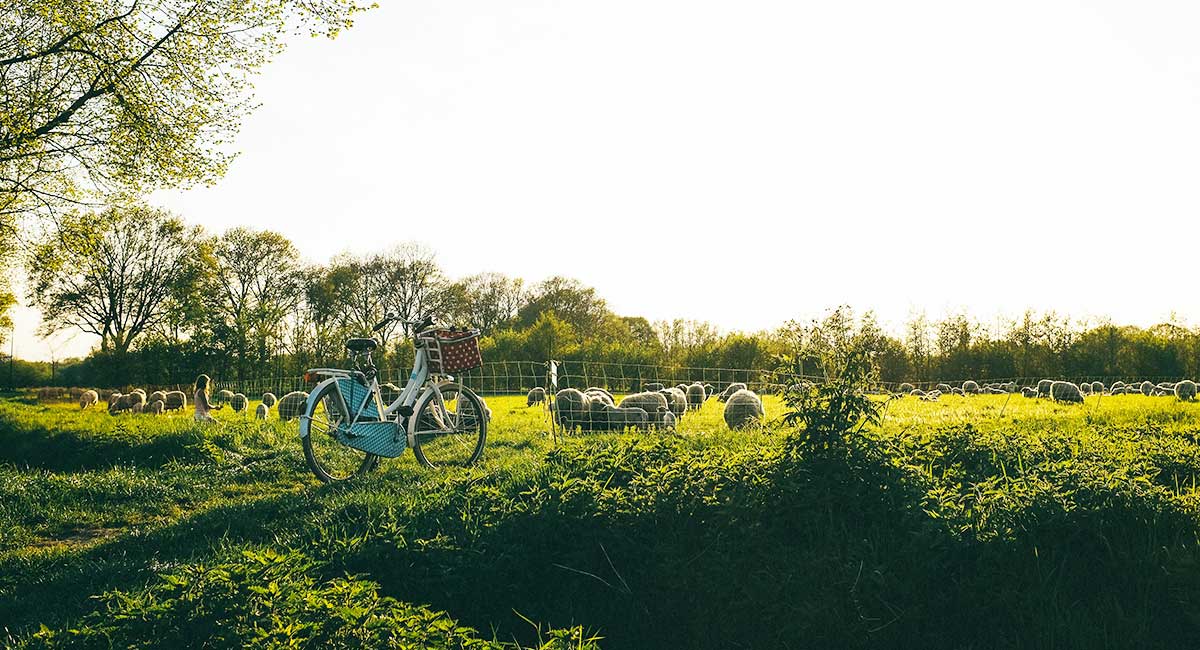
(945,388)
(114,403)
(291,406)
(536,395)
(742,409)
(88,398)
(905,388)
(652,386)
(917,392)
(731,389)
(1185,391)
(1147,388)
(676,400)
(176,400)
(157,396)
(709,390)
(137,407)
(1117,384)
(930,396)
(238,402)
(957,391)
(269,399)
(572,409)
(619,418)
(970,387)
(1065,391)
(222,397)
(134,401)
(260,411)
(1043,387)
(1085,388)
(1097,387)
(156,407)
(594,391)
(696,396)
(597,417)
(1029,392)
(113,396)
(650,402)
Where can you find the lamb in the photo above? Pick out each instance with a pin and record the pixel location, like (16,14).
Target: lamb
(134,401)
(536,395)
(742,409)
(970,387)
(156,407)
(1185,391)
(269,399)
(666,420)
(157,395)
(238,402)
(596,413)
(731,389)
(1065,391)
(620,418)
(572,409)
(1043,387)
(176,400)
(696,396)
(676,401)
(137,407)
(1029,392)
(648,401)
(260,411)
(291,406)
(88,398)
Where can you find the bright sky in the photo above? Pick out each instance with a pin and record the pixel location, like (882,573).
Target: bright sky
(745,163)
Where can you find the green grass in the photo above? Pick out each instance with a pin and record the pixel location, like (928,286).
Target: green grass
(973,522)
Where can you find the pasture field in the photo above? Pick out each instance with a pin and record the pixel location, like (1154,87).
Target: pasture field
(972,522)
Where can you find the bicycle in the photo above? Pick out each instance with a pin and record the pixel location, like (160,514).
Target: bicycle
(345,429)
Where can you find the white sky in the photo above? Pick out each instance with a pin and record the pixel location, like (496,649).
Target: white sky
(747,162)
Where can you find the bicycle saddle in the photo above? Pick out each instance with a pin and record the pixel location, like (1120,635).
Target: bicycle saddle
(361,345)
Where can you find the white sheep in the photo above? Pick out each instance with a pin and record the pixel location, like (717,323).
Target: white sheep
(536,395)
(1065,391)
(742,409)
(88,398)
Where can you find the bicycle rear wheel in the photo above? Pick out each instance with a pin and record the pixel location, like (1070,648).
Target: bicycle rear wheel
(451,427)
(327,457)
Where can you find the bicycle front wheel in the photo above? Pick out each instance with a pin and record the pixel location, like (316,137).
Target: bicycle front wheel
(327,457)
(450,427)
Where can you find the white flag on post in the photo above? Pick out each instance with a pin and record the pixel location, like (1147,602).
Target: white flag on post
(553,365)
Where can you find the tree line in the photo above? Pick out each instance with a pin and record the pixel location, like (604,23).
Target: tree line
(167,301)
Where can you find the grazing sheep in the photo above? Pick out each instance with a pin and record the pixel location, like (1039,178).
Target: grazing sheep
(1117,384)
(917,392)
(945,388)
(137,407)
(1185,390)
(291,406)
(260,411)
(957,391)
(905,388)
(731,389)
(709,390)
(597,417)
(222,397)
(930,396)
(238,402)
(176,400)
(134,401)
(653,386)
(1097,387)
(157,395)
(647,401)
(269,399)
(1065,391)
(1147,388)
(536,395)
(156,407)
(621,418)
(1043,387)
(1085,388)
(88,398)
(572,409)
(114,396)
(1029,392)
(970,387)
(114,403)
(676,401)
(742,409)
(696,396)
(596,390)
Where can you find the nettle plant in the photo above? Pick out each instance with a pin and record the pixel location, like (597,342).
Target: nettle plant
(828,412)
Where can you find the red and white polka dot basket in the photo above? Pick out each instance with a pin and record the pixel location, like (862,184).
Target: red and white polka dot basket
(452,351)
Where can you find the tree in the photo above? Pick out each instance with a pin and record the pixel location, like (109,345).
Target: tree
(132,94)
(492,300)
(111,274)
(412,284)
(255,282)
(569,300)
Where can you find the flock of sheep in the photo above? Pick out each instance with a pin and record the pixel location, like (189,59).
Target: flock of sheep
(289,407)
(655,407)
(1059,391)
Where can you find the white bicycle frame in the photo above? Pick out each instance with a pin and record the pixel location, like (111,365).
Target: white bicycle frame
(413,391)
